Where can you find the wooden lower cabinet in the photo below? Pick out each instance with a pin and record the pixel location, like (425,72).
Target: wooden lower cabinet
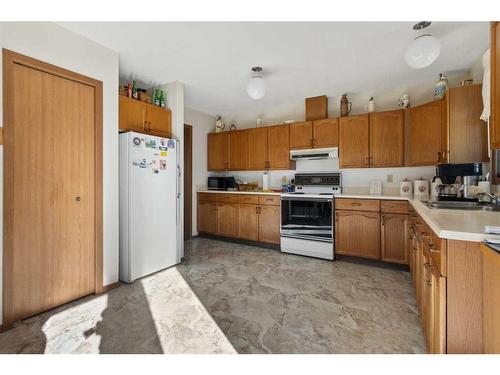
(207,217)
(393,238)
(357,233)
(269,224)
(437,339)
(228,219)
(249,222)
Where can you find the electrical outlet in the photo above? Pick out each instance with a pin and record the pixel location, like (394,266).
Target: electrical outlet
(390,178)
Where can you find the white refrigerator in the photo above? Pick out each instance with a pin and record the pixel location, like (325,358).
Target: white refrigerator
(150,220)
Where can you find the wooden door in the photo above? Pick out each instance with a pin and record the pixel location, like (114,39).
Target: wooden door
(467,133)
(258,149)
(217,151)
(301,135)
(269,224)
(495,85)
(393,238)
(132,116)
(158,121)
(357,233)
(354,141)
(426,134)
(237,150)
(437,342)
(51,187)
(207,217)
(326,133)
(248,222)
(279,147)
(491,299)
(386,139)
(228,219)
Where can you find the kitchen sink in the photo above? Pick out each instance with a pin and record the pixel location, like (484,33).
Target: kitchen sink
(455,205)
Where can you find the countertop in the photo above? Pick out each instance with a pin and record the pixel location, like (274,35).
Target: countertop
(459,225)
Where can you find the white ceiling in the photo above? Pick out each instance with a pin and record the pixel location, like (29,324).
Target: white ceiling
(305,59)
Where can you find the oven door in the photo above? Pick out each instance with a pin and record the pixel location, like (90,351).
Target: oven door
(307,218)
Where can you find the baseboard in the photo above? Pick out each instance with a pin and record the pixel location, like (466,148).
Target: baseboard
(107,288)
(242,242)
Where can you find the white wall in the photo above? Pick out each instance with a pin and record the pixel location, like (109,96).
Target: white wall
(202,125)
(53,44)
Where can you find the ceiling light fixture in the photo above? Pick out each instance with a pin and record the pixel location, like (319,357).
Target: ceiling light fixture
(424,50)
(256,86)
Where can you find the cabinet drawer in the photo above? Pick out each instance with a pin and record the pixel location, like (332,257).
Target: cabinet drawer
(357,204)
(394,207)
(249,198)
(271,200)
(207,197)
(230,198)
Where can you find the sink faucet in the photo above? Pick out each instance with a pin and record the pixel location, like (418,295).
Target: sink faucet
(493,198)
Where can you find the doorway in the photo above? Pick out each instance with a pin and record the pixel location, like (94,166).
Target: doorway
(52,186)
(188,182)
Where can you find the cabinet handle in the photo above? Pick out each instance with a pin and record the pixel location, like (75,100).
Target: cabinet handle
(428,283)
(439,157)
(427,265)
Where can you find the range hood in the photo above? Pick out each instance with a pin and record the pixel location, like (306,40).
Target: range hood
(315,154)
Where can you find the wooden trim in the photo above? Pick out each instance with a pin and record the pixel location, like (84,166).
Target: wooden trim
(493,88)
(9,59)
(1,136)
(107,288)
(188,181)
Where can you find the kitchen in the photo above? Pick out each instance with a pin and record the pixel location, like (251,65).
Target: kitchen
(296,206)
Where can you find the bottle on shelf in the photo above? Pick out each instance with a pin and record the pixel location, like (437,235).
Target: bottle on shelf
(162,99)
(129,90)
(135,94)
(153,96)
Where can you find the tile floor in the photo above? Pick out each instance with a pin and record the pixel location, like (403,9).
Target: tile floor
(262,301)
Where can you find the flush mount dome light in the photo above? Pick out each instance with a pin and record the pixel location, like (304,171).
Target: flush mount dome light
(256,86)
(424,50)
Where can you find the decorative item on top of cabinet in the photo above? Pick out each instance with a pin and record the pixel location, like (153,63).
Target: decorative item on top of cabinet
(232,127)
(219,124)
(345,106)
(426,134)
(495,85)
(370,107)
(316,108)
(354,141)
(404,101)
(387,139)
(441,87)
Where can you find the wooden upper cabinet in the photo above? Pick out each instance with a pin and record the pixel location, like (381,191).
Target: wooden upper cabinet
(258,148)
(217,151)
(387,139)
(354,141)
(279,147)
(132,115)
(426,132)
(158,121)
(326,133)
(301,135)
(357,233)
(237,150)
(495,86)
(393,238)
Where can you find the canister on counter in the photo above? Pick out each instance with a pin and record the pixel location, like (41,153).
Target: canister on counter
(405,188)
(421,188)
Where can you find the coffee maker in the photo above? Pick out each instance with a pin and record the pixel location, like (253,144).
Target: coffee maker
(458,181)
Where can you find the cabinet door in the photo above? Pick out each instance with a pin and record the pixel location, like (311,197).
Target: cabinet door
(269,224)
(426,134)
(237,150)
(158,121)
(495,86)
(393,238)
(248,222)
(386,139)
(426,299)
(279,147)
(217,151)
(357,233)
(301,135)
(438,314)
(354,141)
(326,133)
(207,217)
(228,219)
(257,149)
(132,115)
(467,133)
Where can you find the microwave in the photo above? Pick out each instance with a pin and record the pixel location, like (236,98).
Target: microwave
(222,183)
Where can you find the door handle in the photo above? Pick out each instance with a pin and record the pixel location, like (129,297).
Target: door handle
(78,199)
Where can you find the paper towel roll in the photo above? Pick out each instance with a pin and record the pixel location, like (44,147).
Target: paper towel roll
(265,181)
